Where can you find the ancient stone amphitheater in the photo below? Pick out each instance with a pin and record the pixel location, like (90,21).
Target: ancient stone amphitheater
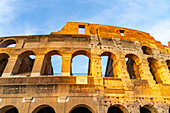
(137,78)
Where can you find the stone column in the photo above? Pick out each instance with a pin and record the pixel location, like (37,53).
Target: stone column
(96,69)
(145,73)
(66,65)
(9,67)
(124,76)
(20,43)
(164,73)
(96,66)
(38,65)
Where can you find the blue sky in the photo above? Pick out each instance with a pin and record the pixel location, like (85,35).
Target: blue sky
(32,17)
(24,17)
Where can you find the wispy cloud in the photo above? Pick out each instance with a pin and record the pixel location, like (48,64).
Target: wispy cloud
(10,19)
(7,12)
(19,17)
(160,31)
(141,15)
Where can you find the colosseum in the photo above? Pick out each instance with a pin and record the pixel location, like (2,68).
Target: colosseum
(137,77)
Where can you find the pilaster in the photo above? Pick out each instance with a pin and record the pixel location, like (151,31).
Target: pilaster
(66,65)
(123,74)
(96,69)
(38,65)
(9,67)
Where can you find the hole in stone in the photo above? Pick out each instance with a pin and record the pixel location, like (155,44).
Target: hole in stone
(122,32)
(146,50)
(81,29)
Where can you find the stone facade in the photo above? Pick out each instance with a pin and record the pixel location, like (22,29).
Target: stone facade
(139,85)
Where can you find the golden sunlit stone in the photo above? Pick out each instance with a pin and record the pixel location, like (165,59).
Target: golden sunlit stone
(140,84)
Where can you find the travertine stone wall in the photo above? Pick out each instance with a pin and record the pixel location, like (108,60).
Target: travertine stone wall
(32,86)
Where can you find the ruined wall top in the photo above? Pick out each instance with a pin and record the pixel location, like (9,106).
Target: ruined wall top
(113,32)
(105,31)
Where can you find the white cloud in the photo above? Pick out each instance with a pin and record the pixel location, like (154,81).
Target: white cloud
(7,12)
(141,15)
(136,14)
(9,16)
(160,31)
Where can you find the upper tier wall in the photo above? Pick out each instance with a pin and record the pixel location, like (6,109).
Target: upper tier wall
(113,32)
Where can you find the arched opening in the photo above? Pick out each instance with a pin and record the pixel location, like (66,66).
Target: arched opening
(109,65)
(9,109)
(117,109)
(44,109)
(3,61)
(80,63)
(24,63)
(146,50)
(114,110)
(81,109)
(148,109)
(144,110)
(168,64)
(8,43)
(155,69)
(52,63)
(132,63)
(13,110)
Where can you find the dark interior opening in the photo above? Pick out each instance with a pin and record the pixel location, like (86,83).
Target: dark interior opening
(3,63)
(130,68)
(168,64)
(24,63)
(8,43)
(146,50)
(81,29)
(114,110)
(154,67)
(46,110)
(13,110)
(81,110)
(121,32)
(144,110)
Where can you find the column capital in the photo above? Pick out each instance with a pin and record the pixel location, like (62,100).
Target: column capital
(67,55)
(39,56)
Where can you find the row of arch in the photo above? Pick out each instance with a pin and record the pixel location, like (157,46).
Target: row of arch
(82,108)
(25,62)
(12,43)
